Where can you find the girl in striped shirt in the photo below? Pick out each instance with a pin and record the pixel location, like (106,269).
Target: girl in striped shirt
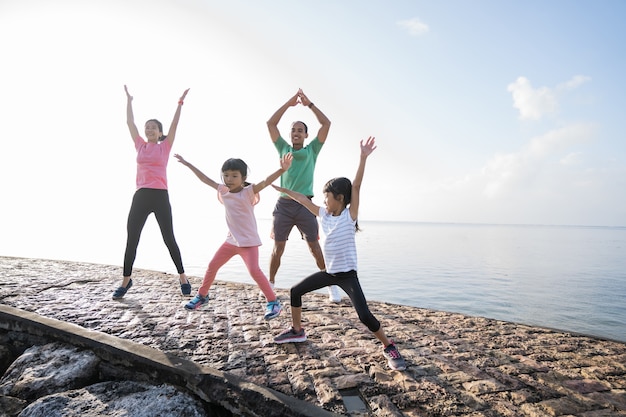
(339,223)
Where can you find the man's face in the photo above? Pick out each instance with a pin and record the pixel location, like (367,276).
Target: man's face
(298,135)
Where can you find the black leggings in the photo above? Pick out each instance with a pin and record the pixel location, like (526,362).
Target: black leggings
(146,201)
(348,281)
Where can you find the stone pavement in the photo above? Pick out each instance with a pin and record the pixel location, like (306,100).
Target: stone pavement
(457,365)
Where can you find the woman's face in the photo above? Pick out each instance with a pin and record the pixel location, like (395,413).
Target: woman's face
(152,132)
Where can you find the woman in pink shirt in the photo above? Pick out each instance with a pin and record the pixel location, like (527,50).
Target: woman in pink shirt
(151,195)
(239,198)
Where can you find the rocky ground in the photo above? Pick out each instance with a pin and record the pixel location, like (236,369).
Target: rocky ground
(457,365)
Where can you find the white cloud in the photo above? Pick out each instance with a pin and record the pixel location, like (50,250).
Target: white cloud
(576,81)
(505,170)
(414,26)
(534,103)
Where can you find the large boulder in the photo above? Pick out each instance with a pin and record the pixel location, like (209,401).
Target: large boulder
(126,398)
(48,369)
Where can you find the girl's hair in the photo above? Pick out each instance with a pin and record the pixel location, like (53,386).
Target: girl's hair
(343,186)
(236,164)
(160,126)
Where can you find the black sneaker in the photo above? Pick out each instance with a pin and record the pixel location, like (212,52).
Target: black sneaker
(185,289)
(290,335)
(394,359)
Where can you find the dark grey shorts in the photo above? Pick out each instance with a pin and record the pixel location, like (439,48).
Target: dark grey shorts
(289,213)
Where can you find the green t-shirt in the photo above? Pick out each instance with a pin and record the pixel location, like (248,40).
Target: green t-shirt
(299,177)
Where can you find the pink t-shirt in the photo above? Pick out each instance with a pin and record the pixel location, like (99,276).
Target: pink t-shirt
(152,161)
(242,228)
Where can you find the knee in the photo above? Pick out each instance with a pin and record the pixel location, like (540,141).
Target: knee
(295,298)
(279,248)
(315,248)
(368,319)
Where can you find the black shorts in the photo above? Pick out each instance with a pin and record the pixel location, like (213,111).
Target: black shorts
(289,213)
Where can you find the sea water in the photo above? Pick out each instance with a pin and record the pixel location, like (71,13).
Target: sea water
(570,278)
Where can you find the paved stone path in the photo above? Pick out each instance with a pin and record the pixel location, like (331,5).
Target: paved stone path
(457,365)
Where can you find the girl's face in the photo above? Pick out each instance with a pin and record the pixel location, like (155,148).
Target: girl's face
(334,205)
(152,132)
(233,180)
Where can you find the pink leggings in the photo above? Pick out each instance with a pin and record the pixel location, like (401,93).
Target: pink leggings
(250,256)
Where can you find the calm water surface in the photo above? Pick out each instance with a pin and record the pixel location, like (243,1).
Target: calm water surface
(564,277)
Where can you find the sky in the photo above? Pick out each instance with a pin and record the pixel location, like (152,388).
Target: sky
(499,112)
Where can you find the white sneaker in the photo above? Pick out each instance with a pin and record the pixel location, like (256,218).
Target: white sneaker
(261,291)
(333,294)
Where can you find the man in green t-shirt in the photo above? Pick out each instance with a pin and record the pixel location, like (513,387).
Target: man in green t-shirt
(289,213)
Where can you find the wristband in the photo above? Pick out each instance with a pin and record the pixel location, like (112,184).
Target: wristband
(181,102)
(310,105)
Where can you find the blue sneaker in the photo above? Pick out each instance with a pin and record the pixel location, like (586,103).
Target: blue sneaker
(120,292)
(272,310)
(197,302)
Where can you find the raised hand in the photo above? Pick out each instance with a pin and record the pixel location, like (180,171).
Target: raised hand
(182,98)
(303,98)
(128,96)
(285,161)
(293,101)
(368,147)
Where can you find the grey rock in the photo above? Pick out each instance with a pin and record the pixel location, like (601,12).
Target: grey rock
(125,398)
(47,369)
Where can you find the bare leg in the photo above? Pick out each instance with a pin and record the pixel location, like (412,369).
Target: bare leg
(296,318)
(316,251)
(277,253)
(380,335)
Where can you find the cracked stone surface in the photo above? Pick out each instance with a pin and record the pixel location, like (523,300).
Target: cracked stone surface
(457,365)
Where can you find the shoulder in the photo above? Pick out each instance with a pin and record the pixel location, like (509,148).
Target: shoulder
(139,141)
(281,143)
(315,144)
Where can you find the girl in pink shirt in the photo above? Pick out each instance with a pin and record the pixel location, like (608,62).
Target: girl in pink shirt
(239,198)
(151,195)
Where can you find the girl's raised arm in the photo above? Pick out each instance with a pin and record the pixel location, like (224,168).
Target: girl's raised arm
(366,149)
(285,163)
(130,118)
(171,135)
(196,171)
(300,198)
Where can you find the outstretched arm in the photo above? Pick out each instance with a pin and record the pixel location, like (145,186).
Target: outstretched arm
(322,134)
(196,171)
(366,149)
(285,163)
(130,118)
(300,198)
(171,135)
(272,123)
